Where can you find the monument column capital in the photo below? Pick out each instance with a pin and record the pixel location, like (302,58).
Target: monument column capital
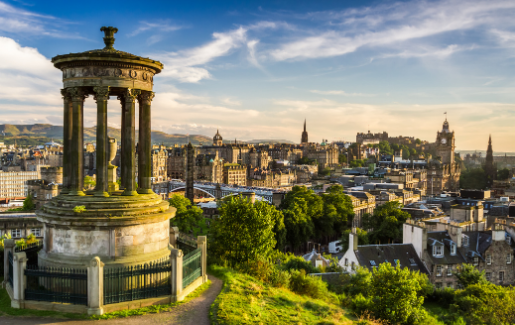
(130,95)
(146,97)
(101,93)
(77,94)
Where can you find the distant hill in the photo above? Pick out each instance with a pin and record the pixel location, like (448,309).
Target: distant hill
(43,132)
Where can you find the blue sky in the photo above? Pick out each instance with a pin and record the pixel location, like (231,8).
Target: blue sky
(256,69)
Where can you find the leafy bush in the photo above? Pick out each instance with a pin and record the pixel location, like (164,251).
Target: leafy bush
(310,286)
(20,243)
(264,270)
(444,297)
(293,262)
(360,304)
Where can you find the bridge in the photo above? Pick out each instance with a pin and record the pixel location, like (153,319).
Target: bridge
(222,191)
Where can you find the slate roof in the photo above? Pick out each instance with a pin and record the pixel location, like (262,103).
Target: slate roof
(442,237)
(389,253)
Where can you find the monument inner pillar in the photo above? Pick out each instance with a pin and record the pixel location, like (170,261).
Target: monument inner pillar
(76,144)
(128,139)
(101,97)
(145,144)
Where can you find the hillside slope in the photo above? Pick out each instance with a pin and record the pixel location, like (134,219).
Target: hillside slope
(48,131)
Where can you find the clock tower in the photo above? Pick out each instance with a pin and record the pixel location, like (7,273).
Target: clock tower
(445,144)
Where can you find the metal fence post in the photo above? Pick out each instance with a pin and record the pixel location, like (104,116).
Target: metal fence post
(176,274)
(95,286)
(202,244)
(8,247)
(174,234)
(19,283)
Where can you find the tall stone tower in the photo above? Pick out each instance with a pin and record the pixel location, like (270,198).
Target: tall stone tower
(189,173)
(217,139)
(445,144)
(490,169)
(304,138)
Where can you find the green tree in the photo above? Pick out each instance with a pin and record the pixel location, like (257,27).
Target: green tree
(325,172)
(357,163)
(244,231)
(503,174)
(397,294)
(304,161)
(188,218)
(384,148)
(417,141)
(28,203)
(486,303)
(474,178)
(342,158)
(299,225)
(413,152)
(300,207)
(338,211)
(362,238)
(467,275)
(385,223)
(89,182)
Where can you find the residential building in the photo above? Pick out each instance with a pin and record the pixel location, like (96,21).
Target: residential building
(14,184)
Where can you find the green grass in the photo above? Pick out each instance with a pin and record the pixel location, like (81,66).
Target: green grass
(156,308)
(7,310)
(245,300)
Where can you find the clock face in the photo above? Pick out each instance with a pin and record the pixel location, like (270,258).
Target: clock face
(444,141)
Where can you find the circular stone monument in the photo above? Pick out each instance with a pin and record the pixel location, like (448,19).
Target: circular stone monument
(122,226)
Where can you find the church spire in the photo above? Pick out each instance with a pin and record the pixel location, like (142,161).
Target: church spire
(304,137)
(489,163)
(304,125)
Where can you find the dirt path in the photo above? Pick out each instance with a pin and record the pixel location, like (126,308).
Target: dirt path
(195,312)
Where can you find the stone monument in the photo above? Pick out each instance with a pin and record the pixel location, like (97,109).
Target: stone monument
(122,227)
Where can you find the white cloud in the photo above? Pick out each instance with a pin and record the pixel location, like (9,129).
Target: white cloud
(231,101)
(387,25)
(183,65)
(19,21)
(341,93)
(160,26)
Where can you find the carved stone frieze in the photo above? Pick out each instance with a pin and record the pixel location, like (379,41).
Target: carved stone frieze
(98,71)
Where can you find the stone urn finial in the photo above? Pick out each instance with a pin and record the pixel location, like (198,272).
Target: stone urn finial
(113,147)
(109,36)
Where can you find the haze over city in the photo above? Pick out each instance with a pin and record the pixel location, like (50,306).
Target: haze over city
(258,69)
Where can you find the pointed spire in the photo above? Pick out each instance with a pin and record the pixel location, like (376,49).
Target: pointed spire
(304,125)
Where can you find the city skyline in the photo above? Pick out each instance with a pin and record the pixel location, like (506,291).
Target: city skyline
(257,70)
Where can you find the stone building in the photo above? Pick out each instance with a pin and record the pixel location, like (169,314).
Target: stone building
(14,184)
(49,186)
(361,206)
(159,163)
(176,162)
(371,138)
(404,177)
(235,174)
(20,225)
(209,167)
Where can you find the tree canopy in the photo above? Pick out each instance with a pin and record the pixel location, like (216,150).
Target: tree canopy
(474,178)
(385,223)
(244,231)
(503,174)
(188,218)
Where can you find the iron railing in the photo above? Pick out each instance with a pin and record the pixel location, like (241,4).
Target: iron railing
(137,282)
(11,272)
(57,285)
(191,267)
(186,243)
(24,246)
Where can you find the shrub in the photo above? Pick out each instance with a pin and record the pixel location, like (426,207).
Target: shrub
(20,243)
(293,262)
(444,297)
(310,286)
(360,304)
(267,272)
(358,283)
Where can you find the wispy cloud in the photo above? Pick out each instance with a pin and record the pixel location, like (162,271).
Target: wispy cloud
(340,93)
(19,21)
(163,26)
(393,24)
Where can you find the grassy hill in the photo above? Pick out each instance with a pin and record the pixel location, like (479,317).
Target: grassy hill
(41,133)
(246,300)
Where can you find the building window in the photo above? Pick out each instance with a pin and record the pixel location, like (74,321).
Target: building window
(346,262)
(488,259)
(438,251)
(438,270)
(449,270)
(488,276)
(476,261)
(453,249)
(16,233)
(508,258)
(449,284)
(36,232)
(465,240)
(501,277)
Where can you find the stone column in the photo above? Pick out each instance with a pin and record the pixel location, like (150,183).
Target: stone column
(129,135)
(121,98)
(101,97)
(76,145)
(176,278)
(95,286)
(190,173)
(145,144)
(174,235)
(19,266)
(8,247)
(202,244)
(67,138)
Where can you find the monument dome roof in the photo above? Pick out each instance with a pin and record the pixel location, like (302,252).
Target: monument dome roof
(105,56)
